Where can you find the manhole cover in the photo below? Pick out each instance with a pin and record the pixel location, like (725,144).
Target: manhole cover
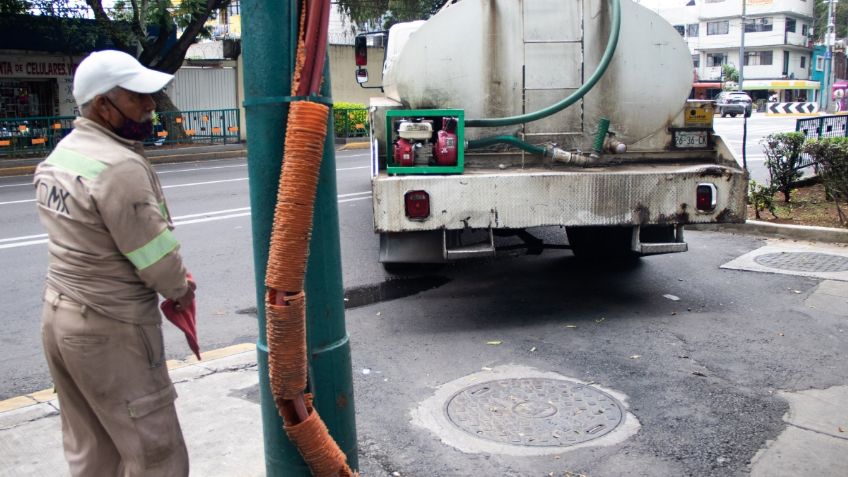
(534,412)
(804,261)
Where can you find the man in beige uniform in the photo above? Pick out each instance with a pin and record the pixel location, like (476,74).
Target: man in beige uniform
(111,251)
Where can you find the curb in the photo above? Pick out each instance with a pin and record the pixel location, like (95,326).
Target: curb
(47,395)
(355,145)
(784,231)
(16,171)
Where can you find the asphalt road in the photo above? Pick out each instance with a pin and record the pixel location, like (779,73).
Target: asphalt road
(759,126)
(210,204)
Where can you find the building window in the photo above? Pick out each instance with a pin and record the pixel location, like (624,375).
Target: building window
(790,25)
(785,63)
(680,29)
(696,61)
(805,30)
(803,62)
(692,30)
(756,58)
(233,8)
(755,25)
(718,28)
(716,59)
(820,63)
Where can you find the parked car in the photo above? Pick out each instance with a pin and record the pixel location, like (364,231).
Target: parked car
(733,103)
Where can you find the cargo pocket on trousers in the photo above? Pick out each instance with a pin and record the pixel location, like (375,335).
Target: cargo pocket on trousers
(156,424)
(154,344)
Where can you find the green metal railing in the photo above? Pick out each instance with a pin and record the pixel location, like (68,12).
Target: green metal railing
(32,136)
(201,126)
(37,136)
(821,127)
(350,122)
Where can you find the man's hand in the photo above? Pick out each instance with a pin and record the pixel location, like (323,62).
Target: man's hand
(185,300)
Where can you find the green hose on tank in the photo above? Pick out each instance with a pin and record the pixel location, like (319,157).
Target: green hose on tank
(571,99)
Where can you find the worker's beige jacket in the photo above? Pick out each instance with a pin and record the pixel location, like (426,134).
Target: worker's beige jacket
(110,241)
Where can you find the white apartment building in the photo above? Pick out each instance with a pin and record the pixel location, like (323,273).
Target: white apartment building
(778,48)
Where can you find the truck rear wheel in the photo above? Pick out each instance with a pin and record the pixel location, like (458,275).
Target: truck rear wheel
(601,243)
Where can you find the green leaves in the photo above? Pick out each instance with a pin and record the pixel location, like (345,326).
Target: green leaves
(381,14)
(832,156)
(783,156)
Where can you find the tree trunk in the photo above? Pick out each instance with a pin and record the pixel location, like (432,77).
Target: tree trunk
(176,131)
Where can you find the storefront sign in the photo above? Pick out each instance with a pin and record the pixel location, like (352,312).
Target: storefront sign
(49,68)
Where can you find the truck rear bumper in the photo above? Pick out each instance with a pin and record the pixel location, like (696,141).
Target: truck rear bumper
(621,195)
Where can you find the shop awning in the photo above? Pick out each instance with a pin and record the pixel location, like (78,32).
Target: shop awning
(780,84)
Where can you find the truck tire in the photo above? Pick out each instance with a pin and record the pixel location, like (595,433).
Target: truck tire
(601,243)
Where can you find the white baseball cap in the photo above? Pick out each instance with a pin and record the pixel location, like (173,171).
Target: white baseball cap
(103,70)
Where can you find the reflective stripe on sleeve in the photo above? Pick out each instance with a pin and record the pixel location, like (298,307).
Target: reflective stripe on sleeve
(153,251)
(163,208)
(75,162)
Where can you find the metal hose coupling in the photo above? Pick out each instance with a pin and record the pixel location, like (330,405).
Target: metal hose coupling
(572,158)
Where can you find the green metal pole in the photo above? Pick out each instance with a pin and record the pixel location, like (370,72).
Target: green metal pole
(268,48)
(329,346)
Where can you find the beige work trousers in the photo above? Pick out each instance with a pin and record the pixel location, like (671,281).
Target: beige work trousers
(115,396)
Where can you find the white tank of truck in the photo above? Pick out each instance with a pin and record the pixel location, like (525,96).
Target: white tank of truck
(617,155)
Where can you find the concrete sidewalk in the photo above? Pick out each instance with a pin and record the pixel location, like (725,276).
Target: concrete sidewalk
(219,412)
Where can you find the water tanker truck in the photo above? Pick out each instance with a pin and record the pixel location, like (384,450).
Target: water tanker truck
(499,116)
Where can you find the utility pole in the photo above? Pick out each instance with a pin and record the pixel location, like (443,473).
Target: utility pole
(742,46)
(741,78)
(828,58)
(269,57)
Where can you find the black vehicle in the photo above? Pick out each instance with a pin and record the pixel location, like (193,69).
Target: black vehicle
(733,103)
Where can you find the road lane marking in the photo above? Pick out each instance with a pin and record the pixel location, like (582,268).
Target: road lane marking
(355,193)
(27,240)
(172,186)
(353,168)
(17,201)
(25,237)
(28,184)
(192,184)
(195,169)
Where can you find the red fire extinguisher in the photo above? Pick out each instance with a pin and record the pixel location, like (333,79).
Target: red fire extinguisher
(446,147)
(403,154)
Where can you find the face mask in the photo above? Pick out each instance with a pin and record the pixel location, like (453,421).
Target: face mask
(131,129)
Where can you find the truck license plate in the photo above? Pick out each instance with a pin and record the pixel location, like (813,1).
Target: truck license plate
(691,139)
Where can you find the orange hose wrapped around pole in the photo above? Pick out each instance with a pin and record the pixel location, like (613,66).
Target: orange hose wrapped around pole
(296,196)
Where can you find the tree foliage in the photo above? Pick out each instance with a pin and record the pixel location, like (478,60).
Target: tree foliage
(832,156)
(783,156)
(381,14)
(821,20)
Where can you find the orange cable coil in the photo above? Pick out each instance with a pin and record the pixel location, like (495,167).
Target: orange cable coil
(286,333)
(296,195)
(319,450)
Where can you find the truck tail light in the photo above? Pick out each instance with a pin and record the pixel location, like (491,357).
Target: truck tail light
(705,197)
(417,204)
